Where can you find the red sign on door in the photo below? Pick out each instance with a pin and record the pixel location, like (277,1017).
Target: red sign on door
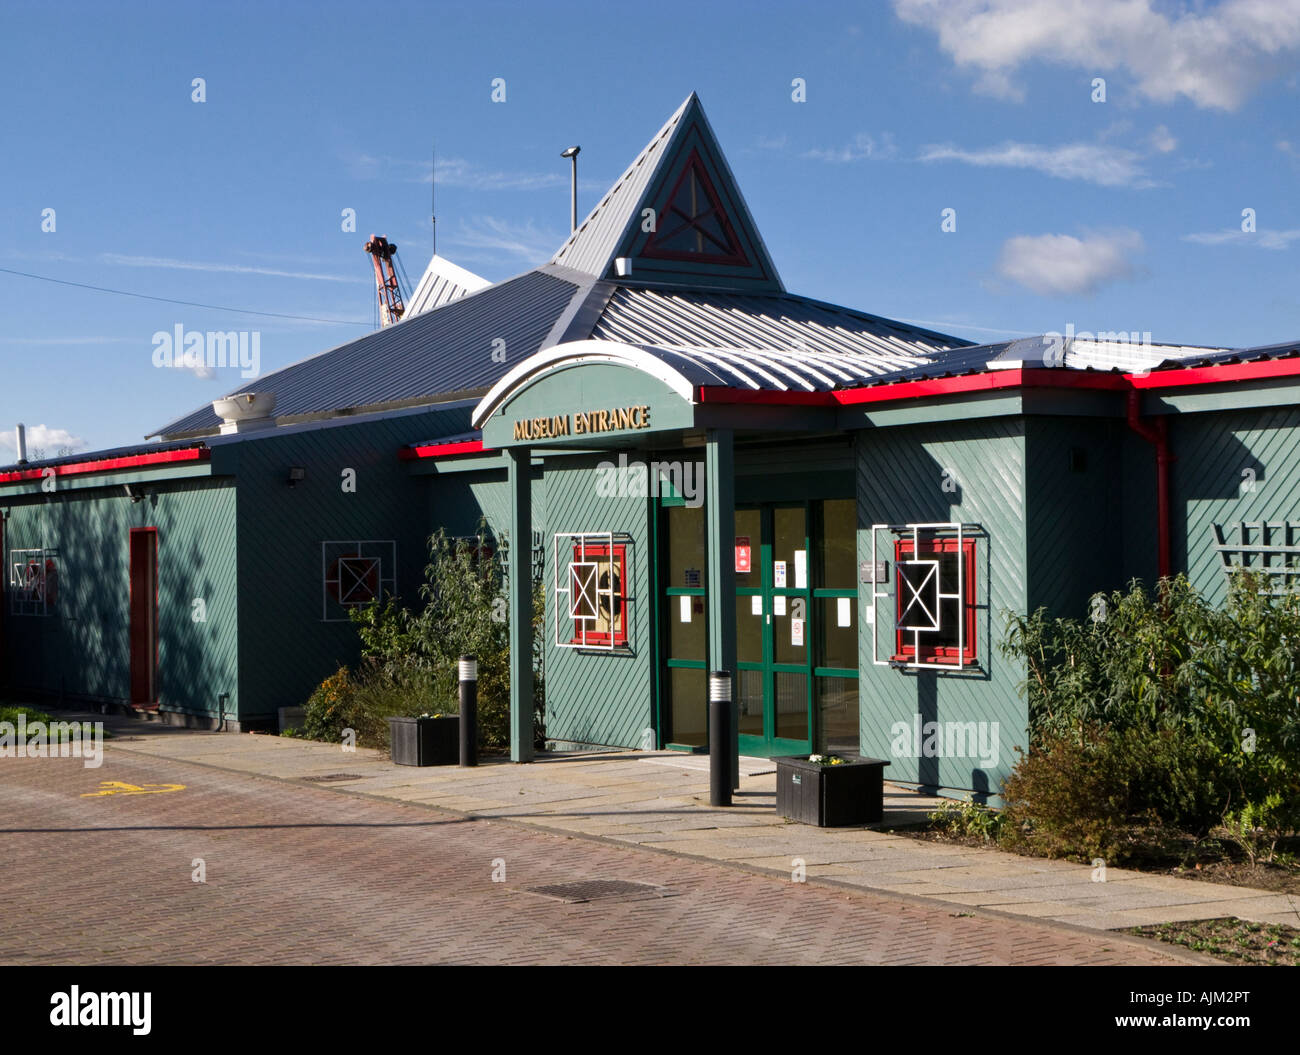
(742,554)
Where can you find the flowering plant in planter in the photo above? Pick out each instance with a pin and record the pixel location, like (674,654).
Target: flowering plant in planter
(830,791)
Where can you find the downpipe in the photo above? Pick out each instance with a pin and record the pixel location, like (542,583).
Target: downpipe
(1156,432)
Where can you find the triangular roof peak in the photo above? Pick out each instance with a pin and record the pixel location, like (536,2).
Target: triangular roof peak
(678,215)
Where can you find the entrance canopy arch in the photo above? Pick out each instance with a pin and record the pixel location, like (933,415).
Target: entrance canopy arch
(549,398)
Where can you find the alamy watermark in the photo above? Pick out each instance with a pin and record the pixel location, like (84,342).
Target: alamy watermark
(84,740)
(683,480)
(974,740)
(1057,344)
(75,1008)
(207,351)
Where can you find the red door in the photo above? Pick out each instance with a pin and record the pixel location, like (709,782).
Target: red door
(144,617)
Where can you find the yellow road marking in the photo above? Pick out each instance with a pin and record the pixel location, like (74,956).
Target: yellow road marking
(116,787)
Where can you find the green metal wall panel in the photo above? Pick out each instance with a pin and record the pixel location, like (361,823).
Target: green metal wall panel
(1213,451)
(1076,530)
(599,697)
(900,479)
(286,646)
(84,648)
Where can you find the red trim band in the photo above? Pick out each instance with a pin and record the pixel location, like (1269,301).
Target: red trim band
(1020,377)
(442,450)
(132,461)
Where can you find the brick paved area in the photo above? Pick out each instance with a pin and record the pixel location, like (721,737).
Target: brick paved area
(299,874)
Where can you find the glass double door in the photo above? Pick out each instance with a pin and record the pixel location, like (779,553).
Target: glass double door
(774,675)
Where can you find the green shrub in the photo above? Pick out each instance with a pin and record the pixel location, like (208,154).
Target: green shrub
(1117,794)
(10,713)
(411,659)
(1168,713)
(967,819)
(330,708)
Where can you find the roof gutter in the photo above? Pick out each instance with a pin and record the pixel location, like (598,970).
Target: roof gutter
(134,461)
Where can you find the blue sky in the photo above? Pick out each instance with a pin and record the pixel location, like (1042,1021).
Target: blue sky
(1122,214)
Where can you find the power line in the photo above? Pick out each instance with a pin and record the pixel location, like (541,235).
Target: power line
(184,303)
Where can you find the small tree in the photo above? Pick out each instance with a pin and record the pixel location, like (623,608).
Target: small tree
(466,612)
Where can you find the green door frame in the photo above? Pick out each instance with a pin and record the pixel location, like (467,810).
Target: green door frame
(769,744)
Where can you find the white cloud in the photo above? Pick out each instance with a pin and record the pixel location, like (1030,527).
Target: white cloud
(773,142)
(1062,265)
(459,172)
(1162,140)
(495,238)
(1236,236)
(863,147)
(42,441)
(1213,56)
(125,260)
(1103,165)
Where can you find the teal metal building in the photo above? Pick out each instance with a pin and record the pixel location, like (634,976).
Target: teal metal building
(712,473)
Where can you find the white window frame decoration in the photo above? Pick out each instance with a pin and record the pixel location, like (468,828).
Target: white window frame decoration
(1268,547)
(29,581)
(931,604)
(577,589)
(381,556)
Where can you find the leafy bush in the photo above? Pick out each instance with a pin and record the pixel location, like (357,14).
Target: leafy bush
(410,659)
(331,708)
(967,819)
(10,713)
(1160,714)
(1117,794)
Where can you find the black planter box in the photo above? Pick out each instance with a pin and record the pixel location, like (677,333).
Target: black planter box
(831,796)
(424,741)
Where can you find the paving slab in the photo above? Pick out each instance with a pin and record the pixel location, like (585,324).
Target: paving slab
(659,801)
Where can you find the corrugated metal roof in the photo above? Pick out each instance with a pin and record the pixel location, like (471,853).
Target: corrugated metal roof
(441,283)
(1285,350)
(443,353)
(592,245)
(1051,351)
(860,345)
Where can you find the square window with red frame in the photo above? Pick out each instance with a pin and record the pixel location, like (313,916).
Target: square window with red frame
(597,594)
(934,592)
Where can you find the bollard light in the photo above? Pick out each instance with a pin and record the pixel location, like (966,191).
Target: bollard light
(468,710)
(720,686)
(720,736)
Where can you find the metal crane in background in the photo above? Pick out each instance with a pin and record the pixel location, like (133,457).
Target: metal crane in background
(387,288)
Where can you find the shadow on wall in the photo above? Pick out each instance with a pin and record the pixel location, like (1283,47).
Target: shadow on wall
(87,644)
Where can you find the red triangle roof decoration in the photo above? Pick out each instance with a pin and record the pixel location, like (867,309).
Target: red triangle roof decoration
(693,225)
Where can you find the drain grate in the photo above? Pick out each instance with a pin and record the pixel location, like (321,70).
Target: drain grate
(333,778)
(600,890)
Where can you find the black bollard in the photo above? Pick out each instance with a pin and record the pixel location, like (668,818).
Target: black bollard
(720,738)
(468,710)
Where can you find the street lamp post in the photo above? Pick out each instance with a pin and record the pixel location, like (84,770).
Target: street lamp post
(572,155)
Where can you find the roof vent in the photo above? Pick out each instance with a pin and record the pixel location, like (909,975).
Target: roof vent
(245,412)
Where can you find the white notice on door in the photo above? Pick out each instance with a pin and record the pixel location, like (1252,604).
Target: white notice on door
(778,573)
(796,631)
(801,569)
(756,604)
(686,608)
(778,606)
(844,612)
